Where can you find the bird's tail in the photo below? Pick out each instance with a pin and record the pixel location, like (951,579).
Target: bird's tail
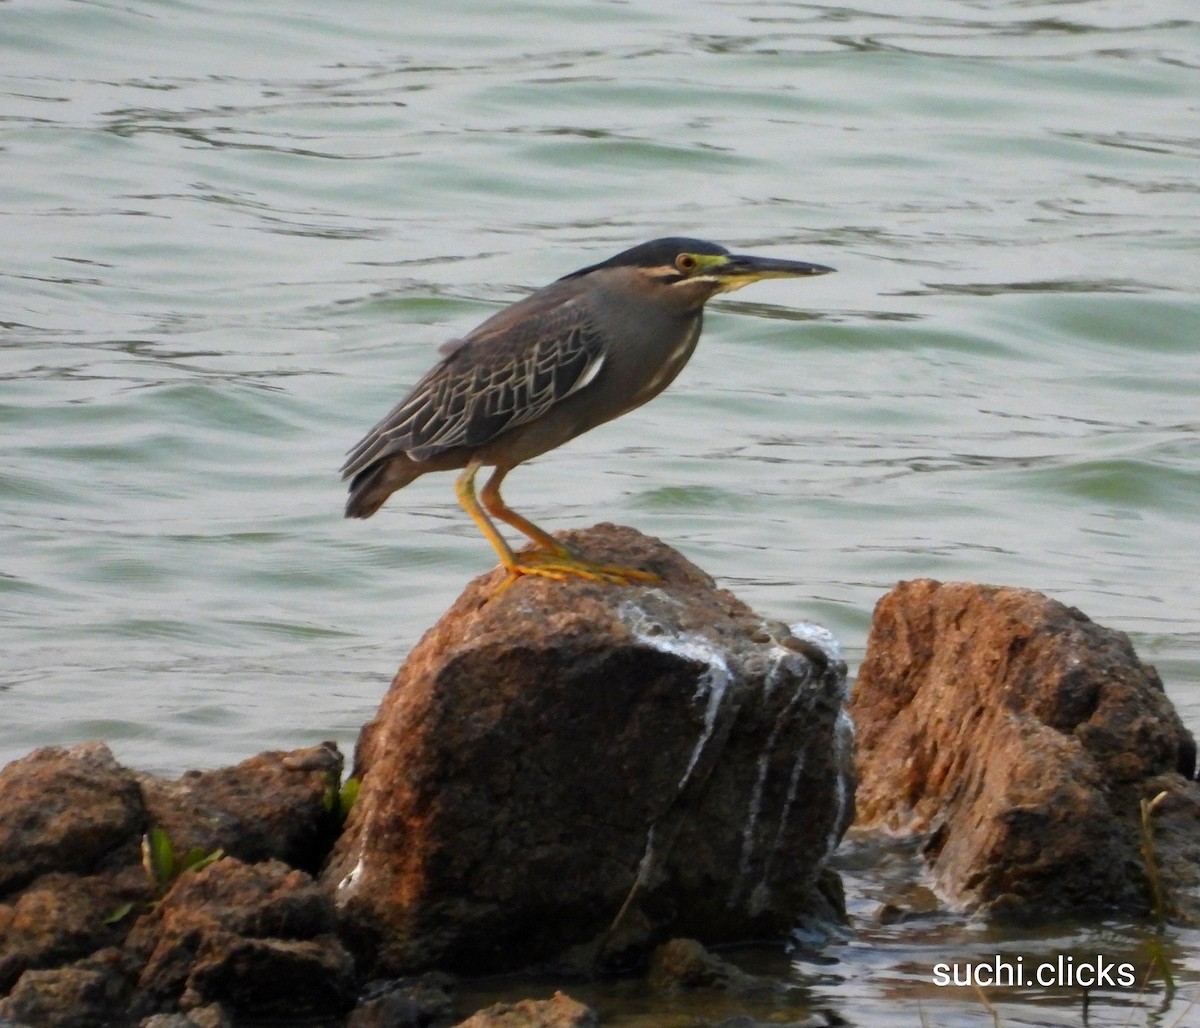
(371,487)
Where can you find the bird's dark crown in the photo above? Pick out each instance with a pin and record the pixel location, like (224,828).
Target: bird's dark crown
(654,254)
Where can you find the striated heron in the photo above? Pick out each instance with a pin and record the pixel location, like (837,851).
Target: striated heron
(579,352)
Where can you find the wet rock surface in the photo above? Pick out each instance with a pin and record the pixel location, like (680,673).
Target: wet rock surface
(682,964)
(404,1002)
(560,1011)
(570,765)
(1021,738)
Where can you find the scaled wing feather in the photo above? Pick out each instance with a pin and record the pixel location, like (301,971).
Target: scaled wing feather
(489,384)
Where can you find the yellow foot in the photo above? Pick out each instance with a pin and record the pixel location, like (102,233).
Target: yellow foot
(564,565)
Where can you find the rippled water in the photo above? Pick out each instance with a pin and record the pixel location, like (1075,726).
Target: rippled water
(233,234)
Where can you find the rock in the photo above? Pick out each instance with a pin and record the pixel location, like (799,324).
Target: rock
(560,1011)
(274,806)
(1021,736)
(68,861)
(404,1003)
(683,964)
(61,917)
(91,993)
(66,810)
(1175,831)
(211,1016)
(580,765)
(256,938)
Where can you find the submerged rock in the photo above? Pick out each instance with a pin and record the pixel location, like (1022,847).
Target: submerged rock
(578,765)
(404,1003)
(1021,737)
(683,964)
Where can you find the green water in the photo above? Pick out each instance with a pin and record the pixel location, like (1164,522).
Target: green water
(232,235)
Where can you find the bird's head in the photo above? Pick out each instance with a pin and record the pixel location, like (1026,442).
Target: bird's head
(697,269)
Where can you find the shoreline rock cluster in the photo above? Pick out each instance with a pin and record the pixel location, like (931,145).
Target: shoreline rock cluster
(570,776)
(87,935)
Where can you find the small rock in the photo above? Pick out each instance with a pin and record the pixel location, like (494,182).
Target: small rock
(74,810)
(560,1011)
(684,964)
(92,993)
(211,1016)
(273,806)
(404,1003)
(61,917)
(255,938)
(271,977)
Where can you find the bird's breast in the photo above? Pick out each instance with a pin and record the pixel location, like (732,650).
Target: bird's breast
(660,372)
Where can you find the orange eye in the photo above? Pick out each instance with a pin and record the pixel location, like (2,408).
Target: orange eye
(685,262)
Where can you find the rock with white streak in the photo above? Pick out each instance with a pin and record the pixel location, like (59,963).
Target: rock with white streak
(591,769)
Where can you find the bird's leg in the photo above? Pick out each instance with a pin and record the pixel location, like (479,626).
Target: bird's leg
(464,489)
(494,502)
(556,562)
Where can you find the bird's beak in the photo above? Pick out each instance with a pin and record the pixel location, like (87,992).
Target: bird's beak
(739,270)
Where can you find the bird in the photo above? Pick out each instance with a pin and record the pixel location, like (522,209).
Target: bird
(585,349)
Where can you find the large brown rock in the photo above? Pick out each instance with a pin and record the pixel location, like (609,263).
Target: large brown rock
(570,764)
(1021,737)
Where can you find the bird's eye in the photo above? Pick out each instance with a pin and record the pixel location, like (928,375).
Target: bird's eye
(685,262)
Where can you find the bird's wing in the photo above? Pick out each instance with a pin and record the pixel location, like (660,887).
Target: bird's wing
(504,374)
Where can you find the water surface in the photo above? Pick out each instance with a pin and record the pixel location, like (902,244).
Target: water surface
(234,234)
